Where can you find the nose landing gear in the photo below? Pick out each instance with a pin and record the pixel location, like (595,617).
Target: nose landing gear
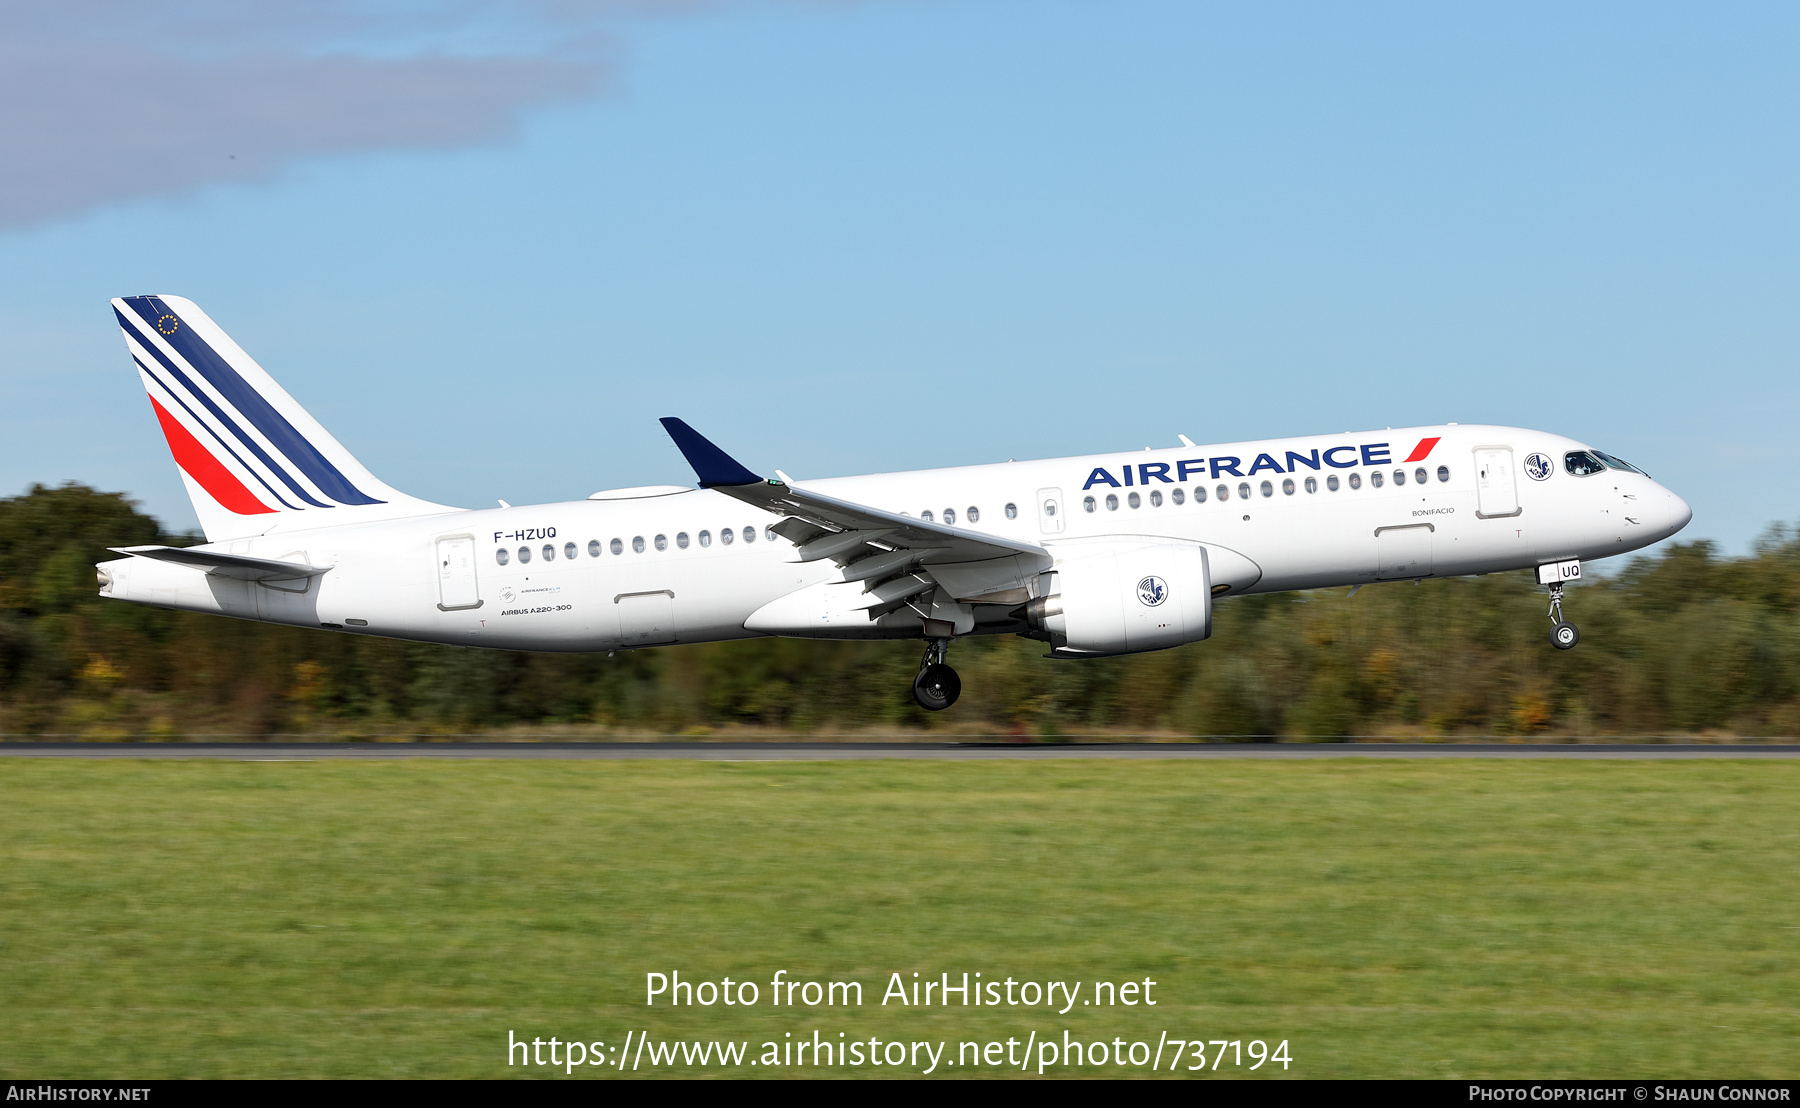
(1563,635)
(937,686)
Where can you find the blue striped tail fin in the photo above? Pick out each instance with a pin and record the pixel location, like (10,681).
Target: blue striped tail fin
(252,458)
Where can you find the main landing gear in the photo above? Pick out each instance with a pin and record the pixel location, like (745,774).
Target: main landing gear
(937,686)
(1563,635)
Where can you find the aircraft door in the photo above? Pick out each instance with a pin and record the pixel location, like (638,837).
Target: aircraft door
(646,618)
(1404,551)
(1050,511)
(456,573)
(1496,493)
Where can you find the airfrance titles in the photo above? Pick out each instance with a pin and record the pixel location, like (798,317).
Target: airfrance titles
(1291,461)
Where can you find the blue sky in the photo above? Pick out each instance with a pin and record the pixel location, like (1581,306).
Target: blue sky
(488,244)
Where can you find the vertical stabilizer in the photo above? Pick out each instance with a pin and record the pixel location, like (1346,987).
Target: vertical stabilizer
(253,460)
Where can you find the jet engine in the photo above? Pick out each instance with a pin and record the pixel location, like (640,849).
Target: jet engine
(1123,598)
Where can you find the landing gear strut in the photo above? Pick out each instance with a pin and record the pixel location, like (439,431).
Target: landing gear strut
(1563,635)
(937,686)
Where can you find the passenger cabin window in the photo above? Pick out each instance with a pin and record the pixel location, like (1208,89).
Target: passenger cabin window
(1399,477)
(1049,507)
(681,539)
(927,516)
(726,535)
(1420,475)
(618,547)
(749,534)
(706,538)
(1087,503)
(524,554)
(1243,490)
(1287,487)
(949,517)
(1443,473)
(1112,502)
(569,551)
(662,542)
(502,556)
(593,548)
(1134,500)
(1580,463)
(1222,493)
(1180,497)
(973,515)
(1356,480)
(549,552)
(1331,483)
(1268,490)
(1376,479)
(1312,484)
(1012,511)
(769,532)
(1156,498)
(637,544)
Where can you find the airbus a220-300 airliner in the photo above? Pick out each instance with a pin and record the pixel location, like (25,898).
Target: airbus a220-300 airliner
(1094,556)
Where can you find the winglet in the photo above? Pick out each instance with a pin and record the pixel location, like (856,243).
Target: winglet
(713,466)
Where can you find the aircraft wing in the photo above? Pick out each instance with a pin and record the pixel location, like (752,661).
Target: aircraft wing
(241,566)
(851,534)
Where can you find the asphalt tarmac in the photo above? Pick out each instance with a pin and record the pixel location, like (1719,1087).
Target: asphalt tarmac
(863,751)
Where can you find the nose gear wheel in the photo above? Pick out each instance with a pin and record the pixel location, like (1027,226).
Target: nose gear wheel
(1563,634)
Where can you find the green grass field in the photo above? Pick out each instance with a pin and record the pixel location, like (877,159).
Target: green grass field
(1436,919)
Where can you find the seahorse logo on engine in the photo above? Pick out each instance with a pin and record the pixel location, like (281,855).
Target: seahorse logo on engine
(1153,591)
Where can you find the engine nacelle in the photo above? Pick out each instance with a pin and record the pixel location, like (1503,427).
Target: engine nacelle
(1122,598)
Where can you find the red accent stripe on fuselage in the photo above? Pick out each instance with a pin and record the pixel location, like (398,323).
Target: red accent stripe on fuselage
(1426,446)
(198,462)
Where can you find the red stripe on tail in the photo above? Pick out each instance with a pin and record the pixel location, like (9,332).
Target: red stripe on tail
(1425,447)
(197,462)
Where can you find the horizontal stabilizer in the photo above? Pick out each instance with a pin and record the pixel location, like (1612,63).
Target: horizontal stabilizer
(713,466)
(240,566)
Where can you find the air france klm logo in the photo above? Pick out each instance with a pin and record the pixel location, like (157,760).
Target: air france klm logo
(1336,457)
(1152,591)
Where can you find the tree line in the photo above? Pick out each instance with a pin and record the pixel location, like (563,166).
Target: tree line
(1682,642)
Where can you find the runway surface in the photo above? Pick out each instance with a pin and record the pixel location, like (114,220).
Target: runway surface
(841,752)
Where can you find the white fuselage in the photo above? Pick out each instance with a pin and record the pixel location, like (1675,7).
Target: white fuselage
(386,578)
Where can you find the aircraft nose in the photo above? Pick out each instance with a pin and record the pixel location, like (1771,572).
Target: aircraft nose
(1680,514)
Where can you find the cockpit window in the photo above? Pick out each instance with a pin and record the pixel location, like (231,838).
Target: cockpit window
(1618,463)
(1580,463)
